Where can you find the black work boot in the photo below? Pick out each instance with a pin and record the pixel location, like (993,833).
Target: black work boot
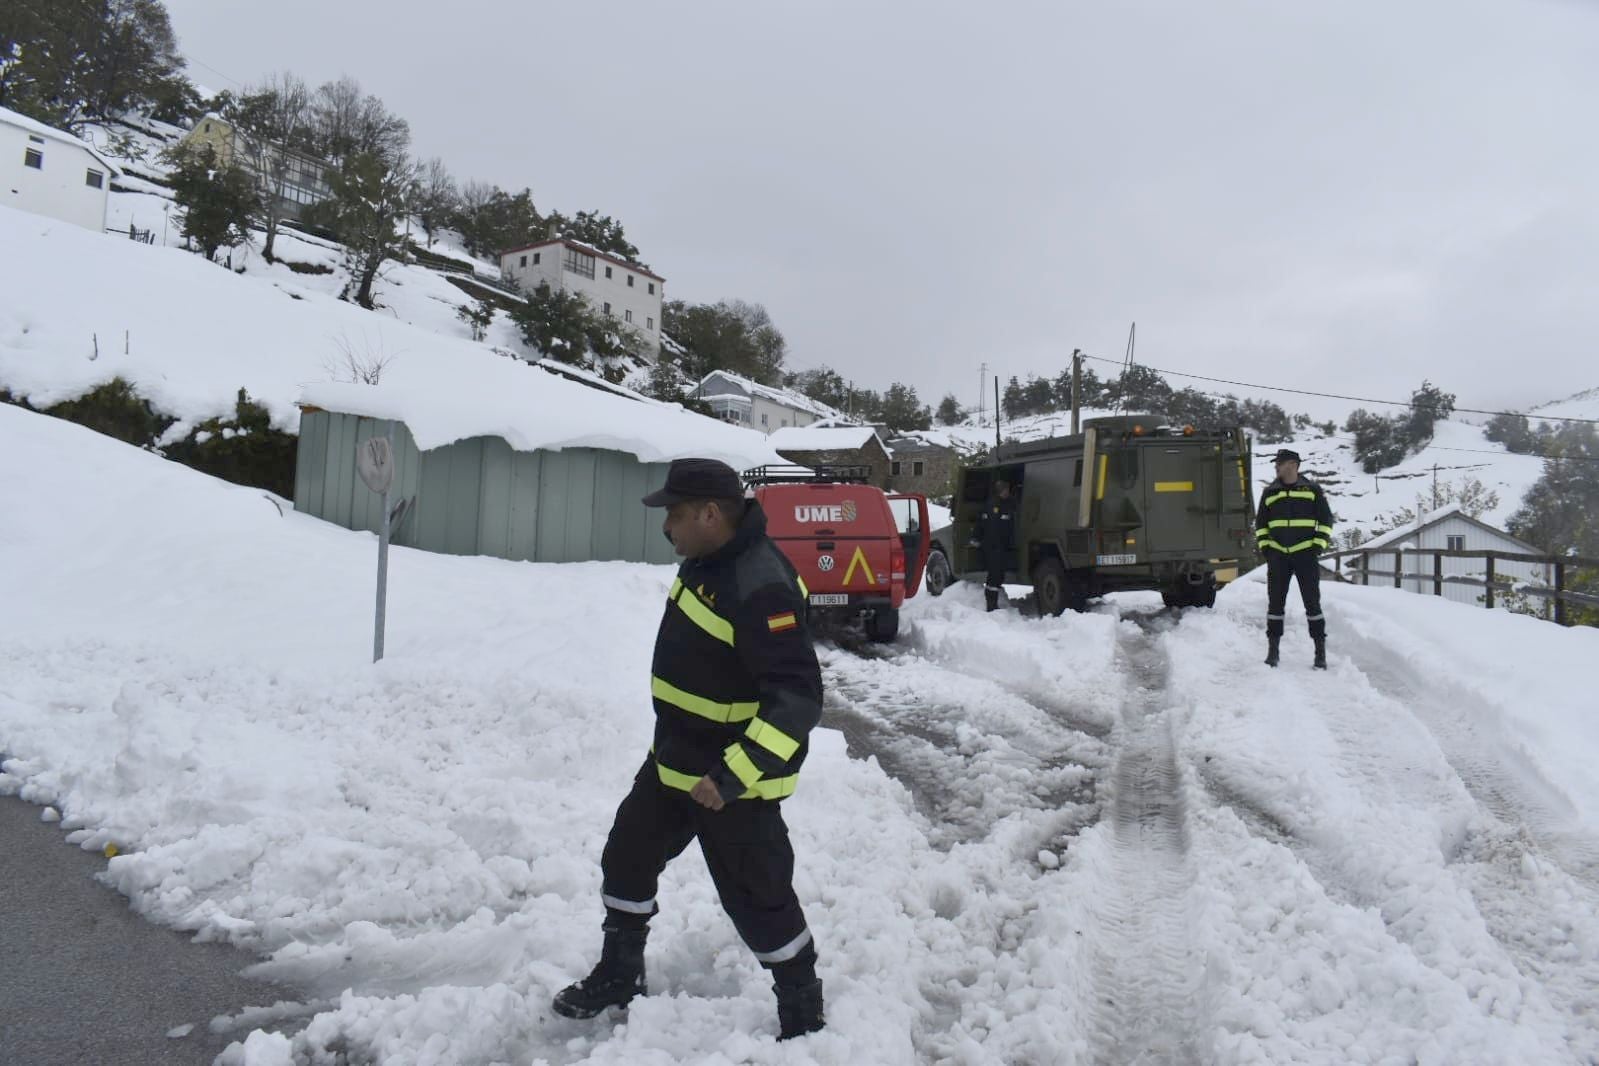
(614,982)
(1321,654)
(799,1009)
(1272,645)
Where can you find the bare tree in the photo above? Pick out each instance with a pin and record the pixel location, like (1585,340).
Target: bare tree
(360,363)
(271,119)
(349,123)
(436,198)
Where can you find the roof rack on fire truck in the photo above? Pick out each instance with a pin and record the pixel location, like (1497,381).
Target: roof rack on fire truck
(800,475)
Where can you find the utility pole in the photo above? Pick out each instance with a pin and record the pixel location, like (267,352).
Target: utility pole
(1434,486)
(1077,388)
(982,377)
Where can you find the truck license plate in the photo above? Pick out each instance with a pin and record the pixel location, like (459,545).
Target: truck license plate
(1116,560)
(829,599)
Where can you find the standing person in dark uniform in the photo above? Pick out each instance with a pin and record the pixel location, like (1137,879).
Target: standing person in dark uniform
(737,690)
(1293,526)
(996,534)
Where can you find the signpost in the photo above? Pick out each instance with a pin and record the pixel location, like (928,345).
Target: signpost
(374,461)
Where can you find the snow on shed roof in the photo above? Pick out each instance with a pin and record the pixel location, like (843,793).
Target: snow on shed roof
(33,126)
(821,439)
(533,411)
(1432,518)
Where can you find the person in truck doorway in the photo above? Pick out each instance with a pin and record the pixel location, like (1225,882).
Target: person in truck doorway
(1293,526)
(737,690)
(996,535)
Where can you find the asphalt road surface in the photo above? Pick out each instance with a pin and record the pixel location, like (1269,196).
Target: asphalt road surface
(86,982)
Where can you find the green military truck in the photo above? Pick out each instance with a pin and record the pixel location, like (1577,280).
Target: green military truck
(1128,503)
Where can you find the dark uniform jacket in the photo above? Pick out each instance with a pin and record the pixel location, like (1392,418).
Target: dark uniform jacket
(735,680)
(996,525)
(1293,518)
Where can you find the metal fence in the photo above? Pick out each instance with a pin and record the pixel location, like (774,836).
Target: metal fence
(1561,567)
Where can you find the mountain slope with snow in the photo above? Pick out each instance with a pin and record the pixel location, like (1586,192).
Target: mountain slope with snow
(1104,837)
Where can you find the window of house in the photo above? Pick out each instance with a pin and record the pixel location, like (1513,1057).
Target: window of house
(94,179)
(207,128)
(1457,544)
(918,467)
(894,468)
(579,263)
(628,315)
(630,281)
(607,308)
(652,288)
(649,324)
(763,420)
(536,258)
(32,157)
(523,262)
(607,271)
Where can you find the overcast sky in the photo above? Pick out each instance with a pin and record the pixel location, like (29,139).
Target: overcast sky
(1348,196)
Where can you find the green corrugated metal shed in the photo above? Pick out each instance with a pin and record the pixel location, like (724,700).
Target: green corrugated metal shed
(480,497)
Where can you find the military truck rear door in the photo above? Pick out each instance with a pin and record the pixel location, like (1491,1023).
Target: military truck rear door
(910,518)
(1174,491)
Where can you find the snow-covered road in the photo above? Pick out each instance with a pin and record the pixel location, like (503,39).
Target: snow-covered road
(1104,838)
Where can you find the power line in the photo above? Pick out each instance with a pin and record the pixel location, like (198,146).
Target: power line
(1339,396)
(75,30)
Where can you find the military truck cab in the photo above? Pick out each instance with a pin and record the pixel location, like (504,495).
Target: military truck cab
(1129,503)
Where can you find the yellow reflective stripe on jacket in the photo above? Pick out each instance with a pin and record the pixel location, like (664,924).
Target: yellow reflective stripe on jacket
(687,701)
(804,592)
(772,739)
(701,615)
(1292,523)
(1288,494)
(1315,542)
(738,760)
(1262,533)
(773,788)
(1324,530)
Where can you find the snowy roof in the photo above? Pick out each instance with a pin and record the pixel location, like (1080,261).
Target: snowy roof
(824,439)
(637,268)
(1432,518)
(15,118)
(789,398)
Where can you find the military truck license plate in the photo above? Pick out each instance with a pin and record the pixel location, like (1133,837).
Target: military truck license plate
(829,599)
(1116,560)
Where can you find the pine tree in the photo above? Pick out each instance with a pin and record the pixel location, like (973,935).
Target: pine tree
(950,411)
(371,195)
(219,199)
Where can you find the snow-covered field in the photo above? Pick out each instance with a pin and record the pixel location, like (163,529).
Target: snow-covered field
(1113,837)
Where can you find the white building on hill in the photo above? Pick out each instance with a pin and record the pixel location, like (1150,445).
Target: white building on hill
(50,172)
(743,402)
(628,292)
(1447,529)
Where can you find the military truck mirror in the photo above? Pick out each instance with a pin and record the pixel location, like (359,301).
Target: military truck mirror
(374,461)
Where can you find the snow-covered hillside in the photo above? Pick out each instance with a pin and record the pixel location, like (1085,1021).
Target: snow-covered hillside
(1110,837)
(81,308)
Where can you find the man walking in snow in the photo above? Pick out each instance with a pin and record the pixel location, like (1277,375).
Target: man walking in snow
(737,690)
(995,534)
(1293,525)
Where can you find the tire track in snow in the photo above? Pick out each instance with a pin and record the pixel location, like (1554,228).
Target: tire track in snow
(1146,975)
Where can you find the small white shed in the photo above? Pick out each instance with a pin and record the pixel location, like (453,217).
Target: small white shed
(50,172)
(1448,529)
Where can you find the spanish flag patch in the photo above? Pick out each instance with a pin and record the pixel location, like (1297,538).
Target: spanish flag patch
(779,622)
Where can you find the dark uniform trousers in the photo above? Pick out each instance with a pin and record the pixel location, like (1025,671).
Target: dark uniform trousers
(1305,568)
(746,848)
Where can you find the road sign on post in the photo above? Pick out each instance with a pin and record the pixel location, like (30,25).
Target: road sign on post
(374,461)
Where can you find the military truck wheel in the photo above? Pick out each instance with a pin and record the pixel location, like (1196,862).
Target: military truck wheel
(882,625)
(1174,597)
(1204,593)
(1050,587)
(938,576)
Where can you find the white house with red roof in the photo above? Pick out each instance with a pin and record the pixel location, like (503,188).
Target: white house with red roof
(628,292)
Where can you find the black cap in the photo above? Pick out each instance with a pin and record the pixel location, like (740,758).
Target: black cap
(1285,455)
(697,479)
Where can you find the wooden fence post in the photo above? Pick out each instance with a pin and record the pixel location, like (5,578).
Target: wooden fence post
(1490,600)
(1437,574)
(1399,569)
(1560,594)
